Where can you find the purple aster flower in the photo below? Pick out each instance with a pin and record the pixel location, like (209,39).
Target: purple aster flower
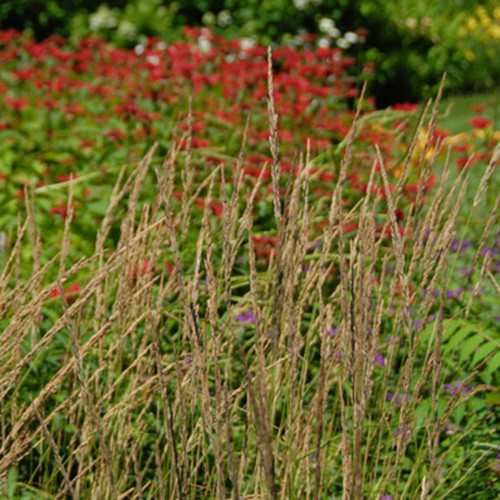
(401,431)
(331,331)
(379,359)
(385,497)
(398,400)
(416,324)
(457,246)
(454,294)
(487,250)
(247,317)
(458,387)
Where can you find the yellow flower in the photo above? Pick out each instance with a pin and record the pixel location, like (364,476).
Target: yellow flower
(397,171)
(495,31)
(479,133)
(455,139)
(471,23)
(469,55)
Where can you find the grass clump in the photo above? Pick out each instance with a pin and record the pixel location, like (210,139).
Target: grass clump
(198,359)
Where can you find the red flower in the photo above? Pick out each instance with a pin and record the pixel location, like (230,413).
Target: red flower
(406,106)
(61,210)
(480,122)
(16,104)
(115,134)
(142,268)
(69,293)
(478,108)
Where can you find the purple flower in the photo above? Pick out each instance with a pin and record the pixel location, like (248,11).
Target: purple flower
(385,497)
(487,250)
(398,400)
(379,359)
(401,431)
(247,317)
(457,246)
(331,331)
(458,387)
(416,324)
(454,294)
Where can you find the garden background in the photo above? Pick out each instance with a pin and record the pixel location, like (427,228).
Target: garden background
(249,249)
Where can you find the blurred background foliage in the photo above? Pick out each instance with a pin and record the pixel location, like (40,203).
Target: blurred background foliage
(402,46)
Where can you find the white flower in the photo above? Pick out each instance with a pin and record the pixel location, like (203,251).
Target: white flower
(203,44)
(247,43)
(351,37)
(326,24)
(161,46)
(126,29)
(139,49)
(224,18)
(324,42)
(343,43)
(103,18)
(334,32)
(300,4)
(153,59)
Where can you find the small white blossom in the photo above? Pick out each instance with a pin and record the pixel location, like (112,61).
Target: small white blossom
(224,18)
(300,4)
(103,18)
(139,49)
(153,59)
(204,44)
(247,43)
(351,37)
(324,42)
(126,29)
(326,24)
(334,32)
(343,43)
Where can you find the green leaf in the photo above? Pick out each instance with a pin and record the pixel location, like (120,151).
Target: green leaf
(493,364)
(453,337)
(482,352)
(469,346)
